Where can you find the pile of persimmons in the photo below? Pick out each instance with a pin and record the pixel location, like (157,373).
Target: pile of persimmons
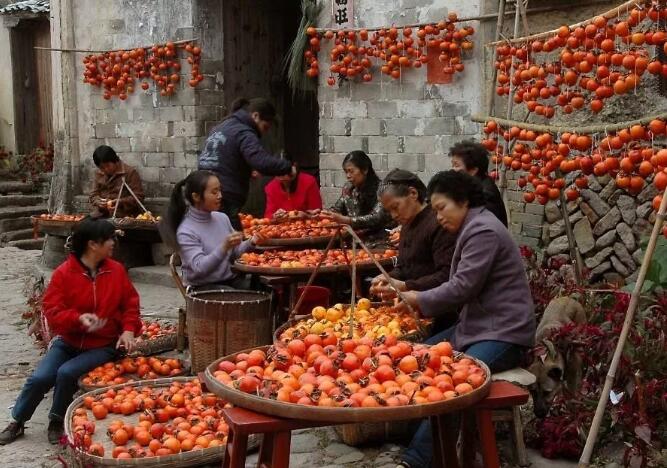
(290,229)
(130,369)
(309,258)
(165,421)
(327,372)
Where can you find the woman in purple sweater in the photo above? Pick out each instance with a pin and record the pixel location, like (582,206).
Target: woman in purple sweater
(204,237)
(487,284)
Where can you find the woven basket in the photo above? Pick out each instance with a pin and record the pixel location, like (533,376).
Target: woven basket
(155,346)
(184,459)
(224,322)
(361,433)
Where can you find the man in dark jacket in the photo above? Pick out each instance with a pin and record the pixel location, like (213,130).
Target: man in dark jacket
(473,158)
(233,150)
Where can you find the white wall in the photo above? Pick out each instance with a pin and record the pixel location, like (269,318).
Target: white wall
(7,137)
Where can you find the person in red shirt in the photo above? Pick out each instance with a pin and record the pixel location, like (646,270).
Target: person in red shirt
(92,310)
(298,192)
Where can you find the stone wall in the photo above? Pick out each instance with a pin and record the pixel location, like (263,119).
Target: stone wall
(404,123)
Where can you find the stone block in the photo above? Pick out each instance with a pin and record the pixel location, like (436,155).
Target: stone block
(404,126)
(583,235)
(345,144)
(366,127)
(436,162)
(588,212)
(194,143)
(332,161)
(619,266)
(348,109)
(552,212)
(608,190)
(624,256)
(557,246)
(607,222)
(534,208)
(419,144)
(188,129)
(145,144)
(601,268)
(143,115)
(363,92)
(417,109)
(528,241)
(326,110)
(335,126)
(638,256)
(205,97)
(556,229)
(597,204)
(186,160)
(383,144)
(157,160)
(532,231)
(452,109)
(605,240)
(440,126)
(171,175)
(106,130)
(137,129)
(516,228)
(382,109)
(172,144)
(642,228)
(648,194)
(133,159)
(598,258)
(208,113)
(149,174)
(171,114)
(626,235)
(644,210)
(326,144)
(120,145)
(528,218)
(409,162)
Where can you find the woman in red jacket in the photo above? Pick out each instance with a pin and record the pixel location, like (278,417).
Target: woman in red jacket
(292,192)
(92,310)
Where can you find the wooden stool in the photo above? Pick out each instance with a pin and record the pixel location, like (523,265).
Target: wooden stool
(502,395)
(174,262)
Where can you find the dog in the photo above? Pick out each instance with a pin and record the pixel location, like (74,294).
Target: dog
(552,369)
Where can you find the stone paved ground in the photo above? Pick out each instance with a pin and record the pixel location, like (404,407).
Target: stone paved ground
(18,356)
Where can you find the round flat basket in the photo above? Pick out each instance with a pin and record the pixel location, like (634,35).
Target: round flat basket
(53,226)
(299,241)
(179,460)
(132,223)
(342,415)
(259,270)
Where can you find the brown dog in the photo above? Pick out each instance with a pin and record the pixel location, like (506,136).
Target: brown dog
(551,368)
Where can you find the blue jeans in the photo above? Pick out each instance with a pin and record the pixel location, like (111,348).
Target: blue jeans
(61,367)
(498,355)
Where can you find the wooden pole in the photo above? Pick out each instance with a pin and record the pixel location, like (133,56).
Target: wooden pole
(494,71)
(86,51)
(575,255)
(560,129)
(353,299)
(613,13)
(585,459)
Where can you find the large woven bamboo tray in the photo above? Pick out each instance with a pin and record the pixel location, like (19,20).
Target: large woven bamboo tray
(342,415)
(179,460)
(54,227)
(132,223)
(260,270)
(297,241)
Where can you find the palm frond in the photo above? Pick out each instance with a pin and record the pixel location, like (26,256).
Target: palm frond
(297,80)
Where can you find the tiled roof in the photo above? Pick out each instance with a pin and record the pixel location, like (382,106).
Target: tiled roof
(26,6)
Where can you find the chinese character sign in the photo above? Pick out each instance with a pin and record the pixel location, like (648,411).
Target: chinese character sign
(342,12)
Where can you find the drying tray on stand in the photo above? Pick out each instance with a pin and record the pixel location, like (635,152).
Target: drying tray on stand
(278,271)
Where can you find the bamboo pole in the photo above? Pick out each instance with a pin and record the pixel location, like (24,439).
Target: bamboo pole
(494,73)
(561,129)
(584,461)
(85,51)
(608,14)
(354,287)
(575,255)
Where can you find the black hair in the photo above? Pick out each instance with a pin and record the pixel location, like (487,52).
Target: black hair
(263,107)
(195,182)
(104,154)
(474,155)
(368,191)
(459,186)
(90,229)
(399,182)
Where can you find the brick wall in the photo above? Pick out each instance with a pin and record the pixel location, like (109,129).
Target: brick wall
(160,136)
(404,123)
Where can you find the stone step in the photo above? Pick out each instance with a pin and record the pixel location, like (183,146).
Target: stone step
(27,244)
(15,224)
(13,212)
(155,274)
(13,186)
(22,200)
(19,234)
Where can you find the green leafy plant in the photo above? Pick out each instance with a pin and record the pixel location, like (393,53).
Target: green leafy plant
(656,276)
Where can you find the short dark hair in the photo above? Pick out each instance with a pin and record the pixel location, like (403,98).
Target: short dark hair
(459,186)
(361,160)
(104,154)
(474,155)
(399,182)
(90,229)
(262,106)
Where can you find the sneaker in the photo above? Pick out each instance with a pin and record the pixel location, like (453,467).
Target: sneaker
(12,432)
(55,431)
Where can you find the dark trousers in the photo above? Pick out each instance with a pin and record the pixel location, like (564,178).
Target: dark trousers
(60,367)
(232,209)
(498,355)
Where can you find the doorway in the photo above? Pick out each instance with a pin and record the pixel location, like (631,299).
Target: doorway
(257,35)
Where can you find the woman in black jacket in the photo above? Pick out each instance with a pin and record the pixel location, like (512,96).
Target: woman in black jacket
(473,158)
(233,150)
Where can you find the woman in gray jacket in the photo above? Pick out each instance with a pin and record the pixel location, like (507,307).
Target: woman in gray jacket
(487,284)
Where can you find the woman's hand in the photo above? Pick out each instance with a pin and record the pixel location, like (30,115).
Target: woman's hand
(91,322)
(257,239)
(232,241)
(313,213)
(385,290)
(336,217)
(408,298)
(126,341)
